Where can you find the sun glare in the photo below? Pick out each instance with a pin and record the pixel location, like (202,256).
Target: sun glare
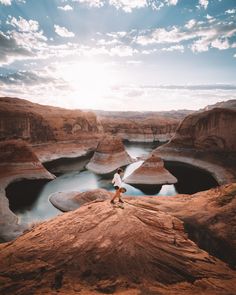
(88,79)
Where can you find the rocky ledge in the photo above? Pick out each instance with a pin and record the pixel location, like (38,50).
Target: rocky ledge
(151,172)
(99,249)
(17,162)
(109,155)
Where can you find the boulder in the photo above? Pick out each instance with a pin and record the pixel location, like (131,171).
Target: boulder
(109,155)
(102,249)
(151,172)
(68,201)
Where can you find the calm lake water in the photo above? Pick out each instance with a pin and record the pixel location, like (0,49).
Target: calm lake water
(29,199)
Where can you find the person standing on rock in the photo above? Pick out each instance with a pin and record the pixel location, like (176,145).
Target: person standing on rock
(116,181)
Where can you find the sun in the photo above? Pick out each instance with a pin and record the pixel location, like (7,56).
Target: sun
(89,79)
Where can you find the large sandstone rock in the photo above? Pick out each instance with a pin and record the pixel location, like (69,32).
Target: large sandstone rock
(206,140)
(99,248)
(17,162)
(68,201)
(209,218)
(109,155)
(21,119)
(151,172)
(212,130)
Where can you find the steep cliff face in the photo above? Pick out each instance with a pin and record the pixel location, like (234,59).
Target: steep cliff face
(17,162)
(143,127)
(212,130)
(206,140)
(36,123)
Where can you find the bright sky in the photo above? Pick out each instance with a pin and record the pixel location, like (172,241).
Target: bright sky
(119,54)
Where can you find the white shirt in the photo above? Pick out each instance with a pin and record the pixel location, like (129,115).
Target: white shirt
(117,180)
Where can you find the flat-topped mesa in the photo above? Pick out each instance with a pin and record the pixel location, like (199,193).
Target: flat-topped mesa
(109,155)
(151,172)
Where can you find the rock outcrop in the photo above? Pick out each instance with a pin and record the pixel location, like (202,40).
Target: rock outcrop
(209,218)
(17,162)
(109,155)
(206,140)
(102,249)
(21,119)
(151,172)
(212,130)
(68,201)
(142,126)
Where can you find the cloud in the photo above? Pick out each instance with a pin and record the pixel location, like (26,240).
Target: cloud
(5,2)
(65,8)
(204,3)
(10,50)
(91,3)
(190,24)
(171,2)
(26,78)
(174,48)
(220,44)
(199,35)
(23,25)
(63,32)
(230,11)
(128,5)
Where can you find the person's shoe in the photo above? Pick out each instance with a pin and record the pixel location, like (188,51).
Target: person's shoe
(121,201)
(112,202)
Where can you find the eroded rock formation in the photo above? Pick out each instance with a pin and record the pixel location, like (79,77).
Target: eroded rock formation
(142,126)
(102,249)
(151,172)
(21,119)
(109,155)
(17,162)
(68,201)
(206,140)
(209,218)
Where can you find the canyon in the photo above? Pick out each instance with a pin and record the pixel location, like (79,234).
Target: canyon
(184,244)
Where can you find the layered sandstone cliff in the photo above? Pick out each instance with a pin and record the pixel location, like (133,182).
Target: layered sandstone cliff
(142,126)
(17,162)
(109,155)
(151,172)
(102,249)
(39,124)
(206,140)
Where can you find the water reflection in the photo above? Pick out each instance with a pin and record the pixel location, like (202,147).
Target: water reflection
(39,207)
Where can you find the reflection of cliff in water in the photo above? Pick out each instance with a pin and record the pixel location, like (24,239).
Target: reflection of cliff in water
(24,194)
(190,178)
(148,189)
